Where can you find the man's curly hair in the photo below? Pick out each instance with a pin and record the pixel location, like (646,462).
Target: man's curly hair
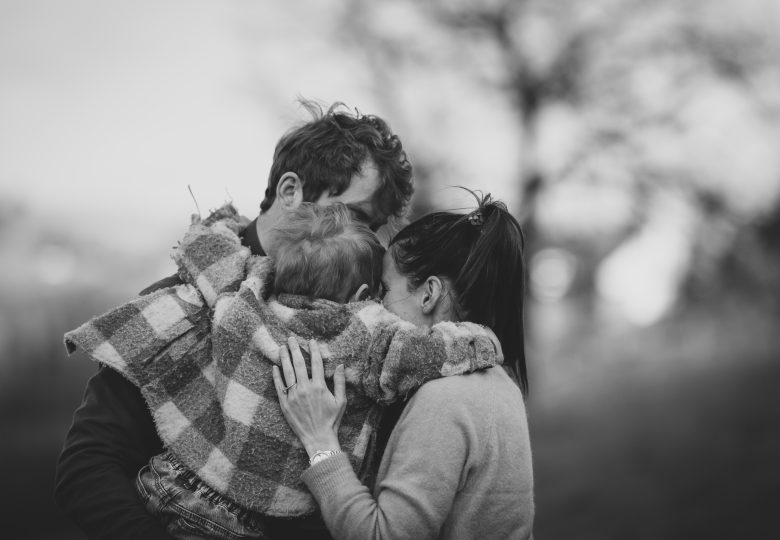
(329,150)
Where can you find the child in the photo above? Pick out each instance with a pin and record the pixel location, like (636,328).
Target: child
(206,377)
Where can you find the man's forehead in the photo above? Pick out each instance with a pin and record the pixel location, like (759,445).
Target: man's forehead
(360,195)
(363,185)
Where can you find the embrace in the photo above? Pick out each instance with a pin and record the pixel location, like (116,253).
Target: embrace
(298,379)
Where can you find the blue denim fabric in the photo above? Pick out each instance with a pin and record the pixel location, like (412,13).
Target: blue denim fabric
(189,509)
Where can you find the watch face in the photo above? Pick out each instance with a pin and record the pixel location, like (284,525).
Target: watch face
(324,454)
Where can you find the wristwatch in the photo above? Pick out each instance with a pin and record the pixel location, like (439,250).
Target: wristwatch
(322,454)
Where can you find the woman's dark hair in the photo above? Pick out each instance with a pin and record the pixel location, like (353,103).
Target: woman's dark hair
(481,255)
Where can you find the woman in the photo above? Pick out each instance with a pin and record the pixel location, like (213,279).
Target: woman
(458,462)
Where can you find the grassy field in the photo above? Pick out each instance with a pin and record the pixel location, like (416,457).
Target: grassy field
(669,432)
(688,457)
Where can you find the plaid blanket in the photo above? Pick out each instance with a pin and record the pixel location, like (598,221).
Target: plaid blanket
(201,354)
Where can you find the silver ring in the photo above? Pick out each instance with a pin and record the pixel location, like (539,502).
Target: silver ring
(288,388)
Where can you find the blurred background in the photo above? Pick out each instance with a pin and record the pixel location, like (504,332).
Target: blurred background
(637,141)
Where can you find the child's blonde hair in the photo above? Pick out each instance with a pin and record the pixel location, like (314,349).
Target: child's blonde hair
(324,252)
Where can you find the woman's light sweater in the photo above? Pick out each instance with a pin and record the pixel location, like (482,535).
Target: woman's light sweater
(457,466)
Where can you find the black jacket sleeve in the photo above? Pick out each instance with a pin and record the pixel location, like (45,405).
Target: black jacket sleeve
(111,438)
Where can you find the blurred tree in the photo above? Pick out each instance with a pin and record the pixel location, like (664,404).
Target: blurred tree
(10,211)
(630,115)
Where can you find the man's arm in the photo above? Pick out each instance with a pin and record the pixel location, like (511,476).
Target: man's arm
(111,438)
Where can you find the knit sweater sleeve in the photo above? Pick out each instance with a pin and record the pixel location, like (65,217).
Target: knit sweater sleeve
(402,356)
(426,456)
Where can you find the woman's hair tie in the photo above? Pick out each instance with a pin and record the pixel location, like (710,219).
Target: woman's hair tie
(476,218)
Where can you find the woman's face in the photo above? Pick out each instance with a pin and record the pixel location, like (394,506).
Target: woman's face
(397,299)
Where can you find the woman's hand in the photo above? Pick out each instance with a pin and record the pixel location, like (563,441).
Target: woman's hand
(314,414)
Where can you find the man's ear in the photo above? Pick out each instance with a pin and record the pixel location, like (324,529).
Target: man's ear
(432,294)
(289,191)
(361,294)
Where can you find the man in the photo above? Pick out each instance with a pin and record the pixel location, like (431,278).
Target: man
(337,156)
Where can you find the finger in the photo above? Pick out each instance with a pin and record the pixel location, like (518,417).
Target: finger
(287,367)
(339,385)
(317,372)
(279,384)
(301,375)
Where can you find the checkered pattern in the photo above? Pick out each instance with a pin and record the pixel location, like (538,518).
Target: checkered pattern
(207,378)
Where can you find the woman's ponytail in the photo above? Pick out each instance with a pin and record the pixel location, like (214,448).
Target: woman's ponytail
(481,253)
(491,282)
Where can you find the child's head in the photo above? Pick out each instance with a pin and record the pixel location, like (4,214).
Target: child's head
(323,252)
(475,261)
